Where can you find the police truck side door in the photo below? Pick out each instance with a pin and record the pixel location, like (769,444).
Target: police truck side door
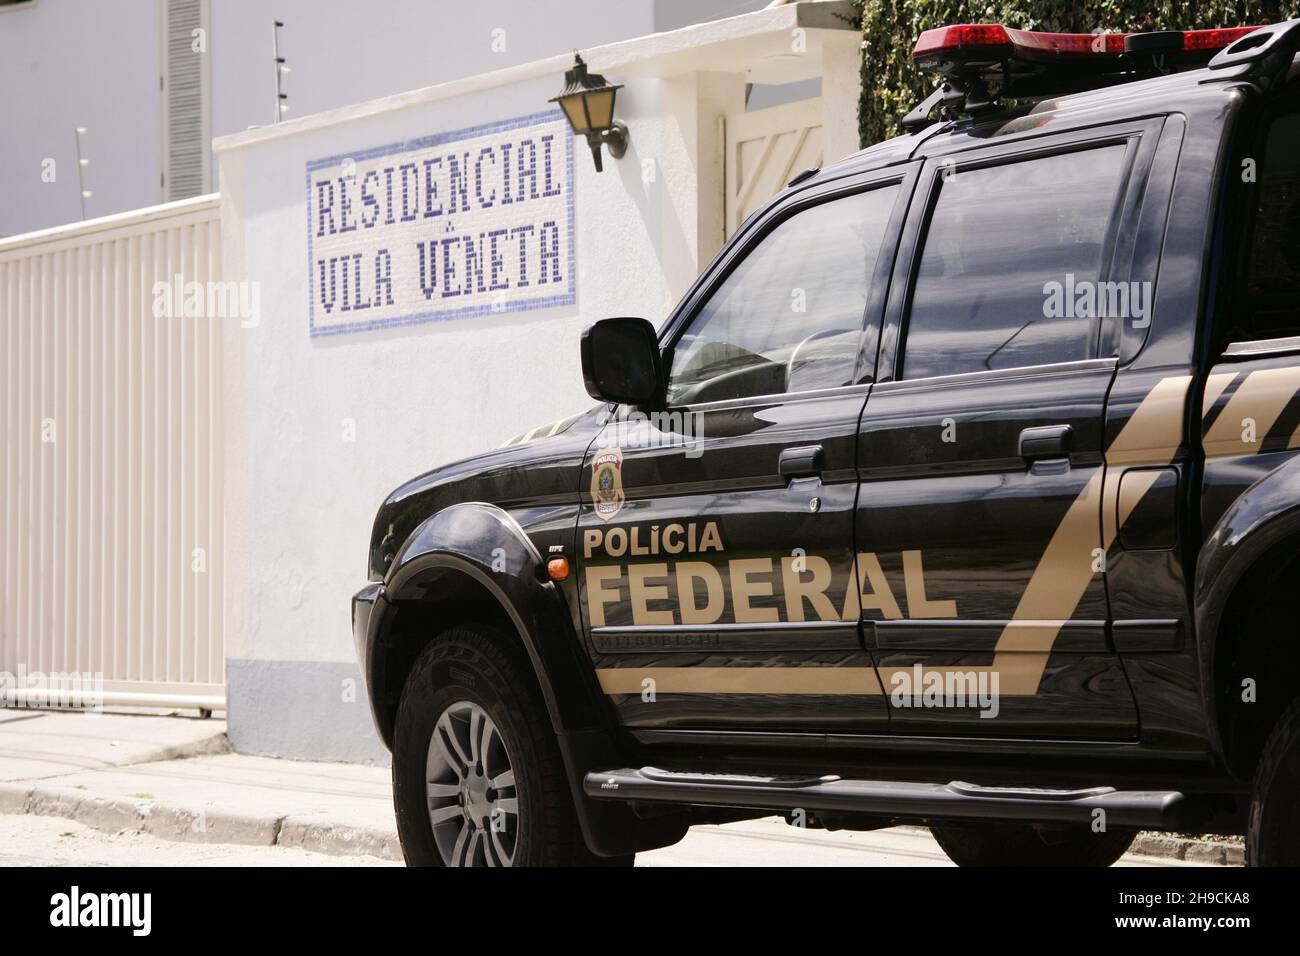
(715,539)
(982,443)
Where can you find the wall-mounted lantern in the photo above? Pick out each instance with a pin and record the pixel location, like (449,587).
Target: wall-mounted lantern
(588,101)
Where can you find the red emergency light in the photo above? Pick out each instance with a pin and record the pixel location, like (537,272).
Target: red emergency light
(967,47)
(1214,40)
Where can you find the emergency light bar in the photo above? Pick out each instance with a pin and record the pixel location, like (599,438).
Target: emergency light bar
(970,48)
(984,64)
(993,42)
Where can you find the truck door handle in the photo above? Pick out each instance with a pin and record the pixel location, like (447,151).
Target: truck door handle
(1047,441)
(802,462)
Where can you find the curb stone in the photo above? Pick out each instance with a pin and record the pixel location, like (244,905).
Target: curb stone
(339,840)
(1168,846)
(186,825)
(1220,852)
(14,797)
(197,825)
(99,813)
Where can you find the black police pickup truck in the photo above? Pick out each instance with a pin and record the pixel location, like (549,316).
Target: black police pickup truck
(962,489)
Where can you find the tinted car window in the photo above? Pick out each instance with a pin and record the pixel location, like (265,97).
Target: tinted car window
(789,317)
(1000,241)
(1272,302)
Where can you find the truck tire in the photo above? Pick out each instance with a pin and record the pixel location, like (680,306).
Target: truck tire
(1021,844)
(1273,833)
(477,775)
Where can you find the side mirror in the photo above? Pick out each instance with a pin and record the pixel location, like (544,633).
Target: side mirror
(621,362)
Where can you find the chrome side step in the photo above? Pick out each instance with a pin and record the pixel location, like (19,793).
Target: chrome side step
(890,798)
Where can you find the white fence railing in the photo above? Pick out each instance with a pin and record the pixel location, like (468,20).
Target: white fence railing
(111,564)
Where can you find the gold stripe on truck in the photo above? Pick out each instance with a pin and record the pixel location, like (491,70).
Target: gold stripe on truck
(1251,412)
(860,681)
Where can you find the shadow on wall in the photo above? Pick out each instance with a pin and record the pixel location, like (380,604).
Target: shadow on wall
(659,216)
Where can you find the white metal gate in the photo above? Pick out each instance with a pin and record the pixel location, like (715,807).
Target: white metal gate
(110,485)
(764,149)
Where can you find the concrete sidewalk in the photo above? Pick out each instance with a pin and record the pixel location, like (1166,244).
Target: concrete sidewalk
(175,778)
(37,744)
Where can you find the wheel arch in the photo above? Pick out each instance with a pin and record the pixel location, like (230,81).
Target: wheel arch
(1248,568)
(473,563)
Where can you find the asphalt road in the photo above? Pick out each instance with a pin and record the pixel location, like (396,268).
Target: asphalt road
(51,841)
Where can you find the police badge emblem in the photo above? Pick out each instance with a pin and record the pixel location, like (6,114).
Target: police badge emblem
(607,482)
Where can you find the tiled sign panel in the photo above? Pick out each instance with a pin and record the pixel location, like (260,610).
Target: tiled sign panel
(471,222)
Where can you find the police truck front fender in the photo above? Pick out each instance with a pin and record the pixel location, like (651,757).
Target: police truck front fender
(479,548)
(486,546)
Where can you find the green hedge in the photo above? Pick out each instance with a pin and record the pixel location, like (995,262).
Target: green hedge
(891,86)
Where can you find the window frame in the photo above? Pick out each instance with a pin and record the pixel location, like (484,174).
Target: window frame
(1140,137)
(1241,201)
(756,229)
